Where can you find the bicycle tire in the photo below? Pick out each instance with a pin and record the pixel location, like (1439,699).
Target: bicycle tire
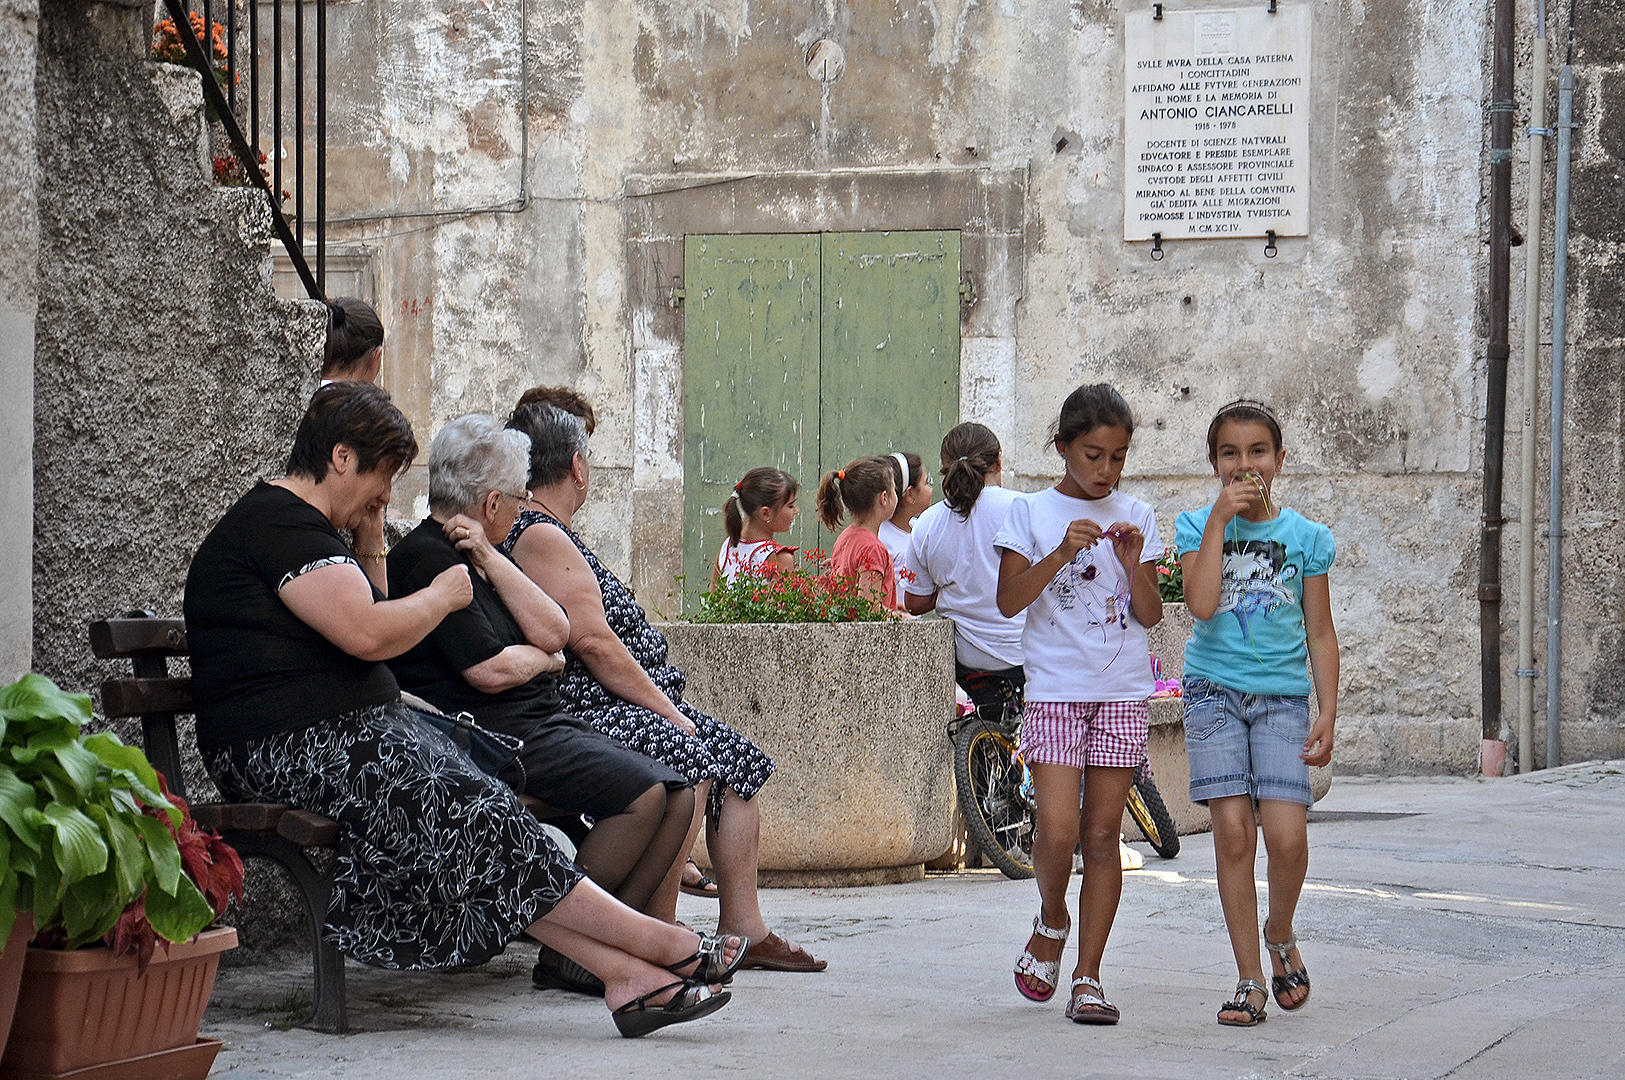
(997,816)
(1150,813)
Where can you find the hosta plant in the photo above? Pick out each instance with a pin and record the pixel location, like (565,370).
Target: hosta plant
(90,841)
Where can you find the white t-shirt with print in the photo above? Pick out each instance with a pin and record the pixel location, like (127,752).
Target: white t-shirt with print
(742,556)
(954,557)
(1082,642)
(896,541)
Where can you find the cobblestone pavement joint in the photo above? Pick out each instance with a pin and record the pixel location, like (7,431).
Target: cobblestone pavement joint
(1453,928)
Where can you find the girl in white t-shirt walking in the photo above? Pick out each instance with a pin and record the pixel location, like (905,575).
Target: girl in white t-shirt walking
(953,567)
(1079,559)
(761,507)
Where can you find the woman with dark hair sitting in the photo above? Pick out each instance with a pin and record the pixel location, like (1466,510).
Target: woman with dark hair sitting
(616,678)
(438,865)
(496,660)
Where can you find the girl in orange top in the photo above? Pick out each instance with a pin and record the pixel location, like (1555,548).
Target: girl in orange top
(868,489)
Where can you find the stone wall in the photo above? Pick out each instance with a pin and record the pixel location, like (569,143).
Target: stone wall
(647,119)
(18,279)
(167,376)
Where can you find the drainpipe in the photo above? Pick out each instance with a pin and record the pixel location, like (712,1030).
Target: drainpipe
(1493,750)
(1531,393)
(1560,281)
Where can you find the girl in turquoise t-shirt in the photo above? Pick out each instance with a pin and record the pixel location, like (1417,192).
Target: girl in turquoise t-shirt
(1255,581)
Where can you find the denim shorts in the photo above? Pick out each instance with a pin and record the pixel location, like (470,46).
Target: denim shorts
(1245,744)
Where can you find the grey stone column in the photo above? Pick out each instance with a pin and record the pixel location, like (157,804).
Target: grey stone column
(19,280)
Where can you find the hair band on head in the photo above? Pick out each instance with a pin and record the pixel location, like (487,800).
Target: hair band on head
(734,494)
(902,463)
(840,474)
(964,459)
(335,315)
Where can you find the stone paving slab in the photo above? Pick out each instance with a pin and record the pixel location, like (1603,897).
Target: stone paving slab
(1476,938)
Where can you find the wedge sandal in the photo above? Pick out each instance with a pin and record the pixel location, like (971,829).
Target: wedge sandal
(1047,972)
(1292,979)
(714,966)
(692,1001)
(1239,1003)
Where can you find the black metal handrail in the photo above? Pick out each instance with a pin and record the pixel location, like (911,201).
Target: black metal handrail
(247,147)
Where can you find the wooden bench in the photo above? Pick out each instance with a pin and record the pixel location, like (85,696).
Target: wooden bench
(282,834)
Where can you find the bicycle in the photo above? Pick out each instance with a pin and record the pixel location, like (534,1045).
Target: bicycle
(996,788)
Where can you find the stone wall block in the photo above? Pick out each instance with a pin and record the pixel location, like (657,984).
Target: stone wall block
(1599,32)
(1598,202)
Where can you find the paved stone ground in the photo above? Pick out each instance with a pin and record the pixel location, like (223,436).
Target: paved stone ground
(1454,928)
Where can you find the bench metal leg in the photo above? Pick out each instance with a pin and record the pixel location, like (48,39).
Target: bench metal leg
(316,888)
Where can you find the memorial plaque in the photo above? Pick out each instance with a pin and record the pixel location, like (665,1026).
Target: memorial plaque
(1216,123)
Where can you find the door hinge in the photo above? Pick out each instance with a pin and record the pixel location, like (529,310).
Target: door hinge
(678,295)
(967,291)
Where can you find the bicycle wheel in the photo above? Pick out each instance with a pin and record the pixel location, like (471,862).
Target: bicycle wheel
(997,814)
(1146,807)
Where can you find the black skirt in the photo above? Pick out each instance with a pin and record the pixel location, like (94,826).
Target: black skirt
(575,768)
(439,865)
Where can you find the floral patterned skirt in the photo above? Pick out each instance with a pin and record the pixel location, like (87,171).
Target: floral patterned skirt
(438,864)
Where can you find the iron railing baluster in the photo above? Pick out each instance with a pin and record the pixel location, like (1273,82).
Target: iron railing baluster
(321,143)
(231,52)
(299,116)
(254,78)
(276,94)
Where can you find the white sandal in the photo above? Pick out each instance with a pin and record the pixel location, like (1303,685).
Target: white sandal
(1047,972)
(1091,1008)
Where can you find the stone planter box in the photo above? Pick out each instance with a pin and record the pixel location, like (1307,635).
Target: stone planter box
(1167,747)
(855,715)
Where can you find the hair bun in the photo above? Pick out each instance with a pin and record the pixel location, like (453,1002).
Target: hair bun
(335,316)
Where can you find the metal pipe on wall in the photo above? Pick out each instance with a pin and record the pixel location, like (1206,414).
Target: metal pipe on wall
(1554,527)
(1493,751)
(1531,392)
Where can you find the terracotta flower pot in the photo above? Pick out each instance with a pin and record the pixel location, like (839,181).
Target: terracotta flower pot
(11,969)
(85,1007)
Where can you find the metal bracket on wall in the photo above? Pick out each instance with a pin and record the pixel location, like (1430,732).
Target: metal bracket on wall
(1156,247)
(677,295)
(1270,250)
(1156,12)
(1273,9)
(967,291)
(1527,673)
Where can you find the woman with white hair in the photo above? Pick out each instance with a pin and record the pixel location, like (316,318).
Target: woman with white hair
(496,660)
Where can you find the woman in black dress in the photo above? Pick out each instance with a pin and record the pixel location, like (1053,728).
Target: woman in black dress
(616,678)
(438,864)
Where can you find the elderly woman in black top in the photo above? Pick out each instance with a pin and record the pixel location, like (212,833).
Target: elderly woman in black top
(438,864)
(616,678)
(496,660)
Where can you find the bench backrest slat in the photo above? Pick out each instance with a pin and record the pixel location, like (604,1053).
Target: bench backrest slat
(141,697)
(111,639)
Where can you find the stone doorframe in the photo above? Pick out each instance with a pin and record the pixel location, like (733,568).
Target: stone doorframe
(988,208)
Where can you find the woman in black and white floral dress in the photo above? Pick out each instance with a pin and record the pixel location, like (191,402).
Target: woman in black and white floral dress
(616,677)
(438,864)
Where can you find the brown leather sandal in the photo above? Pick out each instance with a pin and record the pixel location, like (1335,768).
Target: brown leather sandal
(773,953)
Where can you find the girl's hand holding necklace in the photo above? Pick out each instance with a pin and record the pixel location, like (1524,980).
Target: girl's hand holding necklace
(1081,534)
(1239,498)
(1129,543)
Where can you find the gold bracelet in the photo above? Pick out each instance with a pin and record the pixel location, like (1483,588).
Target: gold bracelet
(376,555)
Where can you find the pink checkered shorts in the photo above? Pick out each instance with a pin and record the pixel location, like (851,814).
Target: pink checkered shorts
(1077,733)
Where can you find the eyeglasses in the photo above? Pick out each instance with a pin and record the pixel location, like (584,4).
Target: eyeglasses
(522,497)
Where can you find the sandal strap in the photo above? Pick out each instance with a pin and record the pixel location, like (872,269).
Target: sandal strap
(1282,949)
(1050,932)
(1097,997)
(1247,986)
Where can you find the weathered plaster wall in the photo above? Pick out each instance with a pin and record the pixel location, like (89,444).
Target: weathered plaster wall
(651,118)
(167,376)
(19,270)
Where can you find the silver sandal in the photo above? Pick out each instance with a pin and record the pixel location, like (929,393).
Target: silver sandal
(1047,972)
(1239,1003)
(1291,980)
(1091,1008)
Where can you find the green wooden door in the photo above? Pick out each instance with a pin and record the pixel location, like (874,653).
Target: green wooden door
(750,377)
(890,346)
(804,351)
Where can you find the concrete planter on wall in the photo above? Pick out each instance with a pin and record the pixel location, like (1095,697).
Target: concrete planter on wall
(854,714)
(1167,747)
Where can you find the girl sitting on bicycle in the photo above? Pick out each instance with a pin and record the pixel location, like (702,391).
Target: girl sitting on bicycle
(1080,559)
(760,507)
(867,488)
(955,568)
(1255,580)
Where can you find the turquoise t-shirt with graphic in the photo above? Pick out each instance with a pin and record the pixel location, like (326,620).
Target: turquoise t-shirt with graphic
(1255,641)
